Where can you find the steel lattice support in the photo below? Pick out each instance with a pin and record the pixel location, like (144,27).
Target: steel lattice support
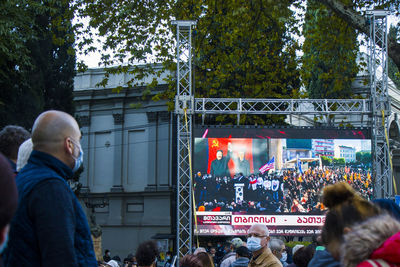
(239,106)
(185,103)
(184,112)
(380,101)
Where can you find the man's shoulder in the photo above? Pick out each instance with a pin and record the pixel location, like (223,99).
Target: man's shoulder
(34,177)
(266,258)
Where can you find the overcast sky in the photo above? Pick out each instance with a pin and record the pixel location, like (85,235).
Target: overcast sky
(93,59)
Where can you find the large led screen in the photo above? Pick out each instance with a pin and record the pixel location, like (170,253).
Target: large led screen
(273,176)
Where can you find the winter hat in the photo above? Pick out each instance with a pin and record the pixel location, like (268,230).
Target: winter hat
(296,248)
(198,250)
(236,242)
(24,152)
(8,192)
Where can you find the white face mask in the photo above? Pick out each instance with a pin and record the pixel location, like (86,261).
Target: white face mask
(254,243)
(284,257)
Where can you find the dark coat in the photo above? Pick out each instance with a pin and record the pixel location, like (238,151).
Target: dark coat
(219,168)
(49,227)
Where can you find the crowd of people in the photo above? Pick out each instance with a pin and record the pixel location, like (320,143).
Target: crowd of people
(43,224)
(290,191)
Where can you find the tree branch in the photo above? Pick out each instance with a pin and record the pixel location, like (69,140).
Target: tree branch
(360,23)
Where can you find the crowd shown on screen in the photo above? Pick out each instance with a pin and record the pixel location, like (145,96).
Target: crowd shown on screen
(289,191)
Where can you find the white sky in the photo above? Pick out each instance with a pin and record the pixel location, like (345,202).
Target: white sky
(355,143)
(93,59)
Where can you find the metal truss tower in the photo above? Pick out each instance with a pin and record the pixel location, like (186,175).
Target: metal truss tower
(183,108)
(377,107)
(380,101)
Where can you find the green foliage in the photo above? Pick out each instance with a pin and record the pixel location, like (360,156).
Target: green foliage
(242,48)
(326,161)
(291,244)
(393,70)
(330,50)
(364,157)
(38,60)
(339,161)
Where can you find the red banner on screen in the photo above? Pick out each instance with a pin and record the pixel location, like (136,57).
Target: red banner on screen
(227,223)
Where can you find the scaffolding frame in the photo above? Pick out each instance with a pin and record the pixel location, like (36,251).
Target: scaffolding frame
(186,106)
(380,100)
(184,135)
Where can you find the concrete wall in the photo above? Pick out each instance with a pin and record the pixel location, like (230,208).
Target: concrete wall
(128,157)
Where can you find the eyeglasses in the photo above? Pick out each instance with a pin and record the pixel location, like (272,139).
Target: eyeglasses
(255,235)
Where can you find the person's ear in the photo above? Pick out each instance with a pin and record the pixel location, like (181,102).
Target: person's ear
(69,146)
(3,234)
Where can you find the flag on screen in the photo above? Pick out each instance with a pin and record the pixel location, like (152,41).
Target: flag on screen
(268,166)
(299,165)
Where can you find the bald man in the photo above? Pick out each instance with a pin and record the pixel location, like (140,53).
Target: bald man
(257,243)
(49,227)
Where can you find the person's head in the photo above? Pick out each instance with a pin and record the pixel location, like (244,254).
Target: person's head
(303,256)
(257,237)
(243,252)
(213,251)
(146,254)
(8,198)
(345,208)
(24,151)
(206,260)
(241,155)
(219,154)
(107,252)
(296,248)
(277,247)
(11,137)
(57,133)
(190,261)
(235,243)
(198,250)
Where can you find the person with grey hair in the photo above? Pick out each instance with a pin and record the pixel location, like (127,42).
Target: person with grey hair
(278,248)
(24,152)
(257,243)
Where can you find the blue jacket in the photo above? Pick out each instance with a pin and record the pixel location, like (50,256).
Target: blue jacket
(322,258)
(49,227)
(241,262)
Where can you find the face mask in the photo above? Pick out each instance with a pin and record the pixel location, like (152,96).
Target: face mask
(254,243)
(284,257)
(168,257)
(4,245)
(78,160)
